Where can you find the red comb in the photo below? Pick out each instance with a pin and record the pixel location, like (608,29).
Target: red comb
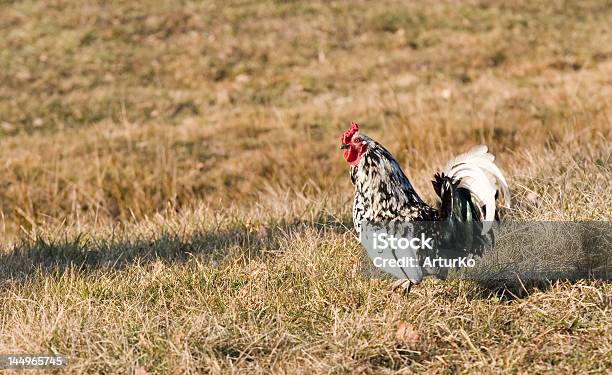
(347,135)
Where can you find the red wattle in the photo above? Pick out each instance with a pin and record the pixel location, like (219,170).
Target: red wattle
(351,156)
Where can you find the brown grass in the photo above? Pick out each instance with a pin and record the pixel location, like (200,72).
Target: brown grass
(172,196)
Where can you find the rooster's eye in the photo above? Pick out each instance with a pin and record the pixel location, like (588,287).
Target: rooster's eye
(357,140)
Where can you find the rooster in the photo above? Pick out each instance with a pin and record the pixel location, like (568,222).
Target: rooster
(467,188)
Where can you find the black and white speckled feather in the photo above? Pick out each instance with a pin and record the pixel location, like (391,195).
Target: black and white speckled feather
(382,190)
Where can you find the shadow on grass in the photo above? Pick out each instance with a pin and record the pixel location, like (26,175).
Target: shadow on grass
(88,254)
(519,290)
(511,290)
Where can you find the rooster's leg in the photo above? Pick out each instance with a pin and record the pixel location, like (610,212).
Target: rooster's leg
(402,286)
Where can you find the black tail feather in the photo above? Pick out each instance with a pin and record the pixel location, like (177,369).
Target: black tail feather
(462,214)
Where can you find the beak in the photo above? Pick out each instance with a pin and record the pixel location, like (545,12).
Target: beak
(344,146)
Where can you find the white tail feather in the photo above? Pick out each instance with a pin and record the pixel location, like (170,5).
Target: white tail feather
(477,173)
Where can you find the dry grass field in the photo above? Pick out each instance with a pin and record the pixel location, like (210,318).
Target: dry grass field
(173,200)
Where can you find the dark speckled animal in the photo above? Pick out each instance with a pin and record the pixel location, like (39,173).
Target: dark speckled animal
(467,188)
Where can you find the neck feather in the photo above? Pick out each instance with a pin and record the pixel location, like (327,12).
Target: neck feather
(383,185)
